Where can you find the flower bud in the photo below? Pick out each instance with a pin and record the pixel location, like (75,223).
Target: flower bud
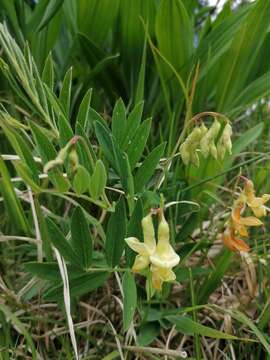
(225,143)
(189,147)
(207,142)
(74,159)
(59,160)
(184,153)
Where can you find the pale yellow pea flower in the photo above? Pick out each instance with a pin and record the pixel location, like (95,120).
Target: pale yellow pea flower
(164,258)
(146,248)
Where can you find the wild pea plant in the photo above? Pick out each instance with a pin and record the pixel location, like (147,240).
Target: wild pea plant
(125,201)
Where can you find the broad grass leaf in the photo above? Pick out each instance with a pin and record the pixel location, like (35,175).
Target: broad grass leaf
(188,326)
(130,299)
(96,18)
(174,35)
(44,12)
(243,50)
(148,167)
(115,234)
(81,237)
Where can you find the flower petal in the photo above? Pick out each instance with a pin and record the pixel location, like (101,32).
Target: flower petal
(140,263)
(165,258)
(138,246)
(149,232)
(233,243)
(250,221)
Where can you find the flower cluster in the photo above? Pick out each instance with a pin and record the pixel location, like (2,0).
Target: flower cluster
(208,142)
(160,256)
(237,224)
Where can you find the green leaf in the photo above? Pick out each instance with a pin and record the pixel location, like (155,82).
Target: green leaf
(79,286)
(137,144)
(115,156)
(130,299)
(115,234)
(81,237)
(148,333)
(83,113)
(98,180)
(81,180)
(119,121)
(22,148)
(48,72)
(87,155)
(13,206)
(256,90)
(62,245)
(133,121)
(47,153)
(25,173)
(189,327)
(65,93)
(50,271)
(65,130)
(96,18)
(148,167)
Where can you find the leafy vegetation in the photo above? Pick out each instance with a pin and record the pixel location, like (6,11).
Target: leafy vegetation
(134,158)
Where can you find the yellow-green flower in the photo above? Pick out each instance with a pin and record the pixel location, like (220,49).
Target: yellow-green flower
(160,256)
(146,248)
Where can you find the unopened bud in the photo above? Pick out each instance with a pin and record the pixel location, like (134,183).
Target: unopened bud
(59,160)
(208,141)
(74,159)
(225,143)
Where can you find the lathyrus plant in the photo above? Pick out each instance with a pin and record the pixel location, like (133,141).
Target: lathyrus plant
(160,256)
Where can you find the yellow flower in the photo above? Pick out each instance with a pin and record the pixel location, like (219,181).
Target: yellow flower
(240,223)
(146,248)
(159,275)
(164,258)
(255,203)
